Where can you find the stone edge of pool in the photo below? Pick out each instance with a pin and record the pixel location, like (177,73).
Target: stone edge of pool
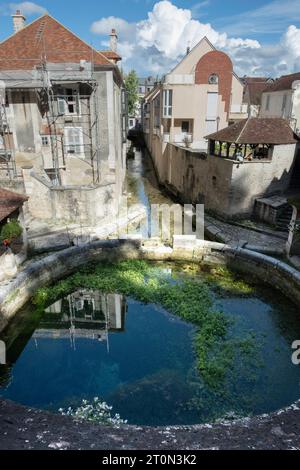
(276,430)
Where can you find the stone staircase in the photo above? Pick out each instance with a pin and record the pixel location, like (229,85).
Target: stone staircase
(283,218)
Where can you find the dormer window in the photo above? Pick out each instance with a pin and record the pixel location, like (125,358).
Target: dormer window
(213,79)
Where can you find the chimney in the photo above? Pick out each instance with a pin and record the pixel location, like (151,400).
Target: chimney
(113,40)
(18,21)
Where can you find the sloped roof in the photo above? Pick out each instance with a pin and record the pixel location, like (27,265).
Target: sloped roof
(9,202)
(255,90)
(285,82)
(256,87)
(247,80)
(276,131)
(111,55)
(45,38)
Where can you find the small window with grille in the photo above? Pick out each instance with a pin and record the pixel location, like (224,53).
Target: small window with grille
(45,140)
(213,79)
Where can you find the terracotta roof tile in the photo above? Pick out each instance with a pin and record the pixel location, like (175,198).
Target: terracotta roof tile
(285,82)
(111,55)
(9,202)
(276,131)
(247,80)
(45,38)
(255,90)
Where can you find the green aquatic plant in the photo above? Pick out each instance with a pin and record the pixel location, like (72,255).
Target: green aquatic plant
(224,281)
(187,297)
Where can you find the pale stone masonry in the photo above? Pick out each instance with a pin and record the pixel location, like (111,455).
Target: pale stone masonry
(63,123)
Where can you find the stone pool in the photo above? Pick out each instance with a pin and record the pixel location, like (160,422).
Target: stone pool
(143,360)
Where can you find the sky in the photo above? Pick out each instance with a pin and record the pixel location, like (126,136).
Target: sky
(262,37)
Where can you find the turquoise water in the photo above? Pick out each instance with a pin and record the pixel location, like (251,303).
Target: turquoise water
(140,359)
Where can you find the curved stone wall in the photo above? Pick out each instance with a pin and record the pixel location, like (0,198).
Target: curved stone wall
(58,265)
(277,430)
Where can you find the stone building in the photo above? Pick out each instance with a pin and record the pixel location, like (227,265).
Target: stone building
(250,159)
(202,94)
(62,122)
(282,99)
(253,90)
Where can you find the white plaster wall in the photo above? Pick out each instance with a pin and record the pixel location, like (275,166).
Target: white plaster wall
(251,180)
(275,104)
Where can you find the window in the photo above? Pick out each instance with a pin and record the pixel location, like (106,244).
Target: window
(68,103)
(74,140)
(213,79)
(168,98)
(185,126)
(268,103)
(45,141)
(141,91)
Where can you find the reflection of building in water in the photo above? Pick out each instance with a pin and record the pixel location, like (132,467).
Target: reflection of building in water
(85,313)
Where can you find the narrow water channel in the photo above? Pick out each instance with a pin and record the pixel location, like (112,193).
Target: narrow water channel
(143,186)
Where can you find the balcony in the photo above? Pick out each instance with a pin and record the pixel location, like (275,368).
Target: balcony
(238,111)
(183,138)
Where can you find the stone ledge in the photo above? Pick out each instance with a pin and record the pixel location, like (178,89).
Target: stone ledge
(23,428)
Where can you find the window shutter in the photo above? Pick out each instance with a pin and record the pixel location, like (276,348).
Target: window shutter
(61,104)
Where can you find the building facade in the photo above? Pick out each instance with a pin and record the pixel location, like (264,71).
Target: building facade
(253,90)
(62,123)
(201,95)
(282,99)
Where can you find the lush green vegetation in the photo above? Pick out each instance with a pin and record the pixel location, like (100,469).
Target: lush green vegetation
(11,230)
(131,86)
(189,297)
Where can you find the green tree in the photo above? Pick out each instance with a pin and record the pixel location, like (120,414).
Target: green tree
(131,86)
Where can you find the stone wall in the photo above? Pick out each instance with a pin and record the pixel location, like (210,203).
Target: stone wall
(226,187)
(75,205)
(40,273)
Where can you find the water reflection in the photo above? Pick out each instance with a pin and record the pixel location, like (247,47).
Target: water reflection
(85,313)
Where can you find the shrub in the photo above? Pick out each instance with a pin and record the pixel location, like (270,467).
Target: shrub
(97,412)
(11,230)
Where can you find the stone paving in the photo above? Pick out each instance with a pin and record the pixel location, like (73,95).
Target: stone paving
(234,235)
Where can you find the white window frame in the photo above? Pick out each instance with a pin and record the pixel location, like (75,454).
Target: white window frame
(78,148)
(63,102)
(45,140)
(213,79)
(167,103)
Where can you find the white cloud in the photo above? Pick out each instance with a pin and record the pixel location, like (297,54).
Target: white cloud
(27,8)
(156,44)
(292,41)
(105,25)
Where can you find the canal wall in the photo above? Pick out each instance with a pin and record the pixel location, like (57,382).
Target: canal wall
(49,269)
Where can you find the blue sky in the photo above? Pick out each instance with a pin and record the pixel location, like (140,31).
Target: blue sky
(262,37)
